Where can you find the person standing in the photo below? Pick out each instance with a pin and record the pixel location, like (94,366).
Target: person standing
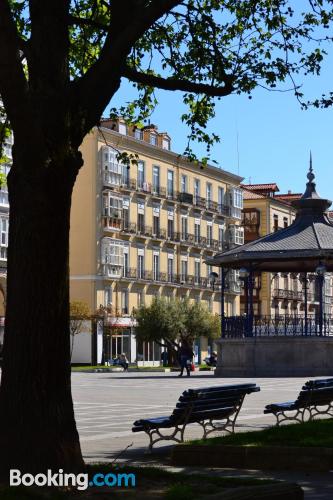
(186,356)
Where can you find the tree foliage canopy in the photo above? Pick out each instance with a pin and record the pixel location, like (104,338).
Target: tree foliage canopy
(170,322)
(78,51)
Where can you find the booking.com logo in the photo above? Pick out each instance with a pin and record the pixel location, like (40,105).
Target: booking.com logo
(80,481)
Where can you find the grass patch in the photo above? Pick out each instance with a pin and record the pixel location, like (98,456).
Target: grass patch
(317,433)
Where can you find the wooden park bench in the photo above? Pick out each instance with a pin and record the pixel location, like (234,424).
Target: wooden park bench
(214,408)
(314,399)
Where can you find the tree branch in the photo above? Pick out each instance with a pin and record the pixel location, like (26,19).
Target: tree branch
(91,94)
(83,21)
(177,84)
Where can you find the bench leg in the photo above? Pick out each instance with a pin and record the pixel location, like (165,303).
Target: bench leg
(230,421)
(155,435)
(209,427)
(282,417)
(314,411)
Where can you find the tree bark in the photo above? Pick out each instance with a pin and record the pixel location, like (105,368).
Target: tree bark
(37,425)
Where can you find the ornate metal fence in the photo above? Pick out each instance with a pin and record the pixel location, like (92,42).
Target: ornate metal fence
(238,326)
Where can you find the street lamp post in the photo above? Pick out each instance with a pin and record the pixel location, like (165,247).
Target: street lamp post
(247,276)
(213,276)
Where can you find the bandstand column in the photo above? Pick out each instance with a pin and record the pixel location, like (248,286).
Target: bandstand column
(222,302)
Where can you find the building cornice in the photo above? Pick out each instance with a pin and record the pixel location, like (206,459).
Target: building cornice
(137,146)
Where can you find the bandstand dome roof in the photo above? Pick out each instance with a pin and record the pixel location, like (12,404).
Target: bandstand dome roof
(299,247)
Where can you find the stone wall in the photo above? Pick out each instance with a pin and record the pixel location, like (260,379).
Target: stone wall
(275,357)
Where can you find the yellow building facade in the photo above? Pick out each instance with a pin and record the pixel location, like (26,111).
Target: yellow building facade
(146,230)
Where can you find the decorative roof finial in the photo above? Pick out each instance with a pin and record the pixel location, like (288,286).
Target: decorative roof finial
(310,175)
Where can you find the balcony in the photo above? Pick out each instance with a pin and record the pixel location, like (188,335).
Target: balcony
(111,223)
(223,210)
(144,231)
(158,192)
(128,184)
(211,206)
(143,187)
(279,293)
(160,234)
(184,238)
(198,201)
(186,198)
(128,227)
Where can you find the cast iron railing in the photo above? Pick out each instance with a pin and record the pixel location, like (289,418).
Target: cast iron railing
(289,325)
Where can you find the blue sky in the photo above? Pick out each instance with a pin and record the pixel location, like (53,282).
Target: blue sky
(274,134)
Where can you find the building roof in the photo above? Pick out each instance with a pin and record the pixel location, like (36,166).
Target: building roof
(288,197)
(299,247)
(251,195)
(261,187)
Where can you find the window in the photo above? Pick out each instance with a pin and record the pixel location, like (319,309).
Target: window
(170,268)
(170,228)
(285,222)
(141,174)
(184,269)
(4,237)
(184,228)
(108,296)
(122,128)
(156,266)
(125,218)
(237,198)
(209,234)
(126,262)
(124,302)
(112,210)
(112,257)
(220,197)
(239,236)
(141,223)
(156,179)
(140,299)
(153,139)
(141,265)
(138,134)
(166,143)
(156,225)
(197,231)
(170,183)
(197,273)
(208,191)
(209,270)
(196,190)
(221,235)
(111,167)
(275,223)
(183,183)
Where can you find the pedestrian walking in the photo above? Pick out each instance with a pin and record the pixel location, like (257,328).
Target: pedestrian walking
(186,356)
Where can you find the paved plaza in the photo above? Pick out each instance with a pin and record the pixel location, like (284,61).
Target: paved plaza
(106,405)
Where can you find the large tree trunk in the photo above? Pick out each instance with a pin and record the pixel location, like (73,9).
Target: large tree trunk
(37,425)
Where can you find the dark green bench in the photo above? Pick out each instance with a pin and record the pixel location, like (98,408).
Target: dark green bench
(214,408)
(314,399)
